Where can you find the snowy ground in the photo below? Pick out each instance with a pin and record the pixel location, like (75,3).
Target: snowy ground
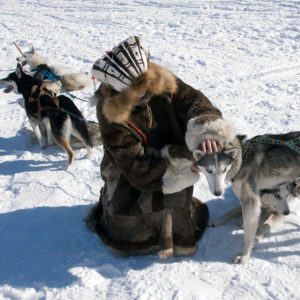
(244,55)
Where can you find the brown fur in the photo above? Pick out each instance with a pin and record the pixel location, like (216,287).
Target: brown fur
(66,146)
(156,81)
(133,215)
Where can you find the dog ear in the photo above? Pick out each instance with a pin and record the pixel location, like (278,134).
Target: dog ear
(198,154)
(231,152)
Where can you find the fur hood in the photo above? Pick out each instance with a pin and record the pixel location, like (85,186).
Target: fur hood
(155,81)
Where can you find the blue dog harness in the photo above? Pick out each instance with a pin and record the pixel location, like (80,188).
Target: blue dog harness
(47,75)
(292,144)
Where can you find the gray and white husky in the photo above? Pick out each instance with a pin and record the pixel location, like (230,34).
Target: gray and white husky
(274,206)
(62,79)
(262,167)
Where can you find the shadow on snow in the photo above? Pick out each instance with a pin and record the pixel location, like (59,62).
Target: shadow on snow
(39,246)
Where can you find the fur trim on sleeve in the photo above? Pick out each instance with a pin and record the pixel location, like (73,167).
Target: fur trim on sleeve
(198,131)
(155,81)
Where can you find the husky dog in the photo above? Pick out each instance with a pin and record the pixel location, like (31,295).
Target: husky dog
(92,127)
(58,114)
(56,78)
(93,130)
(274,205)
(262,167)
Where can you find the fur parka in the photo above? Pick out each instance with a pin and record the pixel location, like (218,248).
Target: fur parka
(128,215)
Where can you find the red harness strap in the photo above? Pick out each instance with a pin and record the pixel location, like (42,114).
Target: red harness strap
(172,97)
(138,131)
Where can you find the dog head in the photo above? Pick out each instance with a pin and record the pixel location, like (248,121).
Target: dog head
(215,167)
(30,57)
(17,81)
(277,199)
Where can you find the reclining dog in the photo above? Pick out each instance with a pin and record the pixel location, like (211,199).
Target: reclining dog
(58,114)
(262,163)
(56,78)
(274,207)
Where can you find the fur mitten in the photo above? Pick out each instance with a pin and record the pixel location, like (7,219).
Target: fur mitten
(179,174)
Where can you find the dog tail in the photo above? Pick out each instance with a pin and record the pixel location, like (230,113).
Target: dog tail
(76,81)
(78,123)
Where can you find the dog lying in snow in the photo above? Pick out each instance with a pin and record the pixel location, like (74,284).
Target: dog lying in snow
(274,206)
(58,114)
(263,166)
(56,78)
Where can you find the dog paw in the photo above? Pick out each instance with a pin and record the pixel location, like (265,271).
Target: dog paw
(164,254)
(65,167)
(240,259)
(183,251)
(258,239)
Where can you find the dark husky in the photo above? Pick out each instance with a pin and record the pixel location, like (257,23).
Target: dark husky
(59,114)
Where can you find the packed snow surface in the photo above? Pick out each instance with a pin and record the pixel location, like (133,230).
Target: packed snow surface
(243,55)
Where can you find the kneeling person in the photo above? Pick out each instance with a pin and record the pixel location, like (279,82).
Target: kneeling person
(146,203)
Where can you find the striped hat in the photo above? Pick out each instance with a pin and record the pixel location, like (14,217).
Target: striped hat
(120,66)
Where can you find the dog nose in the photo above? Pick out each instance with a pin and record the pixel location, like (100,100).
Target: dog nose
(217,193)
(286,212)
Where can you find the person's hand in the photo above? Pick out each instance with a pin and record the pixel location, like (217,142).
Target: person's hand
(210,146)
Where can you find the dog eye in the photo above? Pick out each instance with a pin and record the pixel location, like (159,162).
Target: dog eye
(209,171)
(224,170)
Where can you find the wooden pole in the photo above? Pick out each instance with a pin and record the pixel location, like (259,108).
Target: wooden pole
(18,48)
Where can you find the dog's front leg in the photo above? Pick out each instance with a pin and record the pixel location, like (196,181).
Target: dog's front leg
(251,211)
(36,130)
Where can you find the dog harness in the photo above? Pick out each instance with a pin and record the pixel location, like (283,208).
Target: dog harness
(44,70)
(292,144)
(139,131)
(38,91)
